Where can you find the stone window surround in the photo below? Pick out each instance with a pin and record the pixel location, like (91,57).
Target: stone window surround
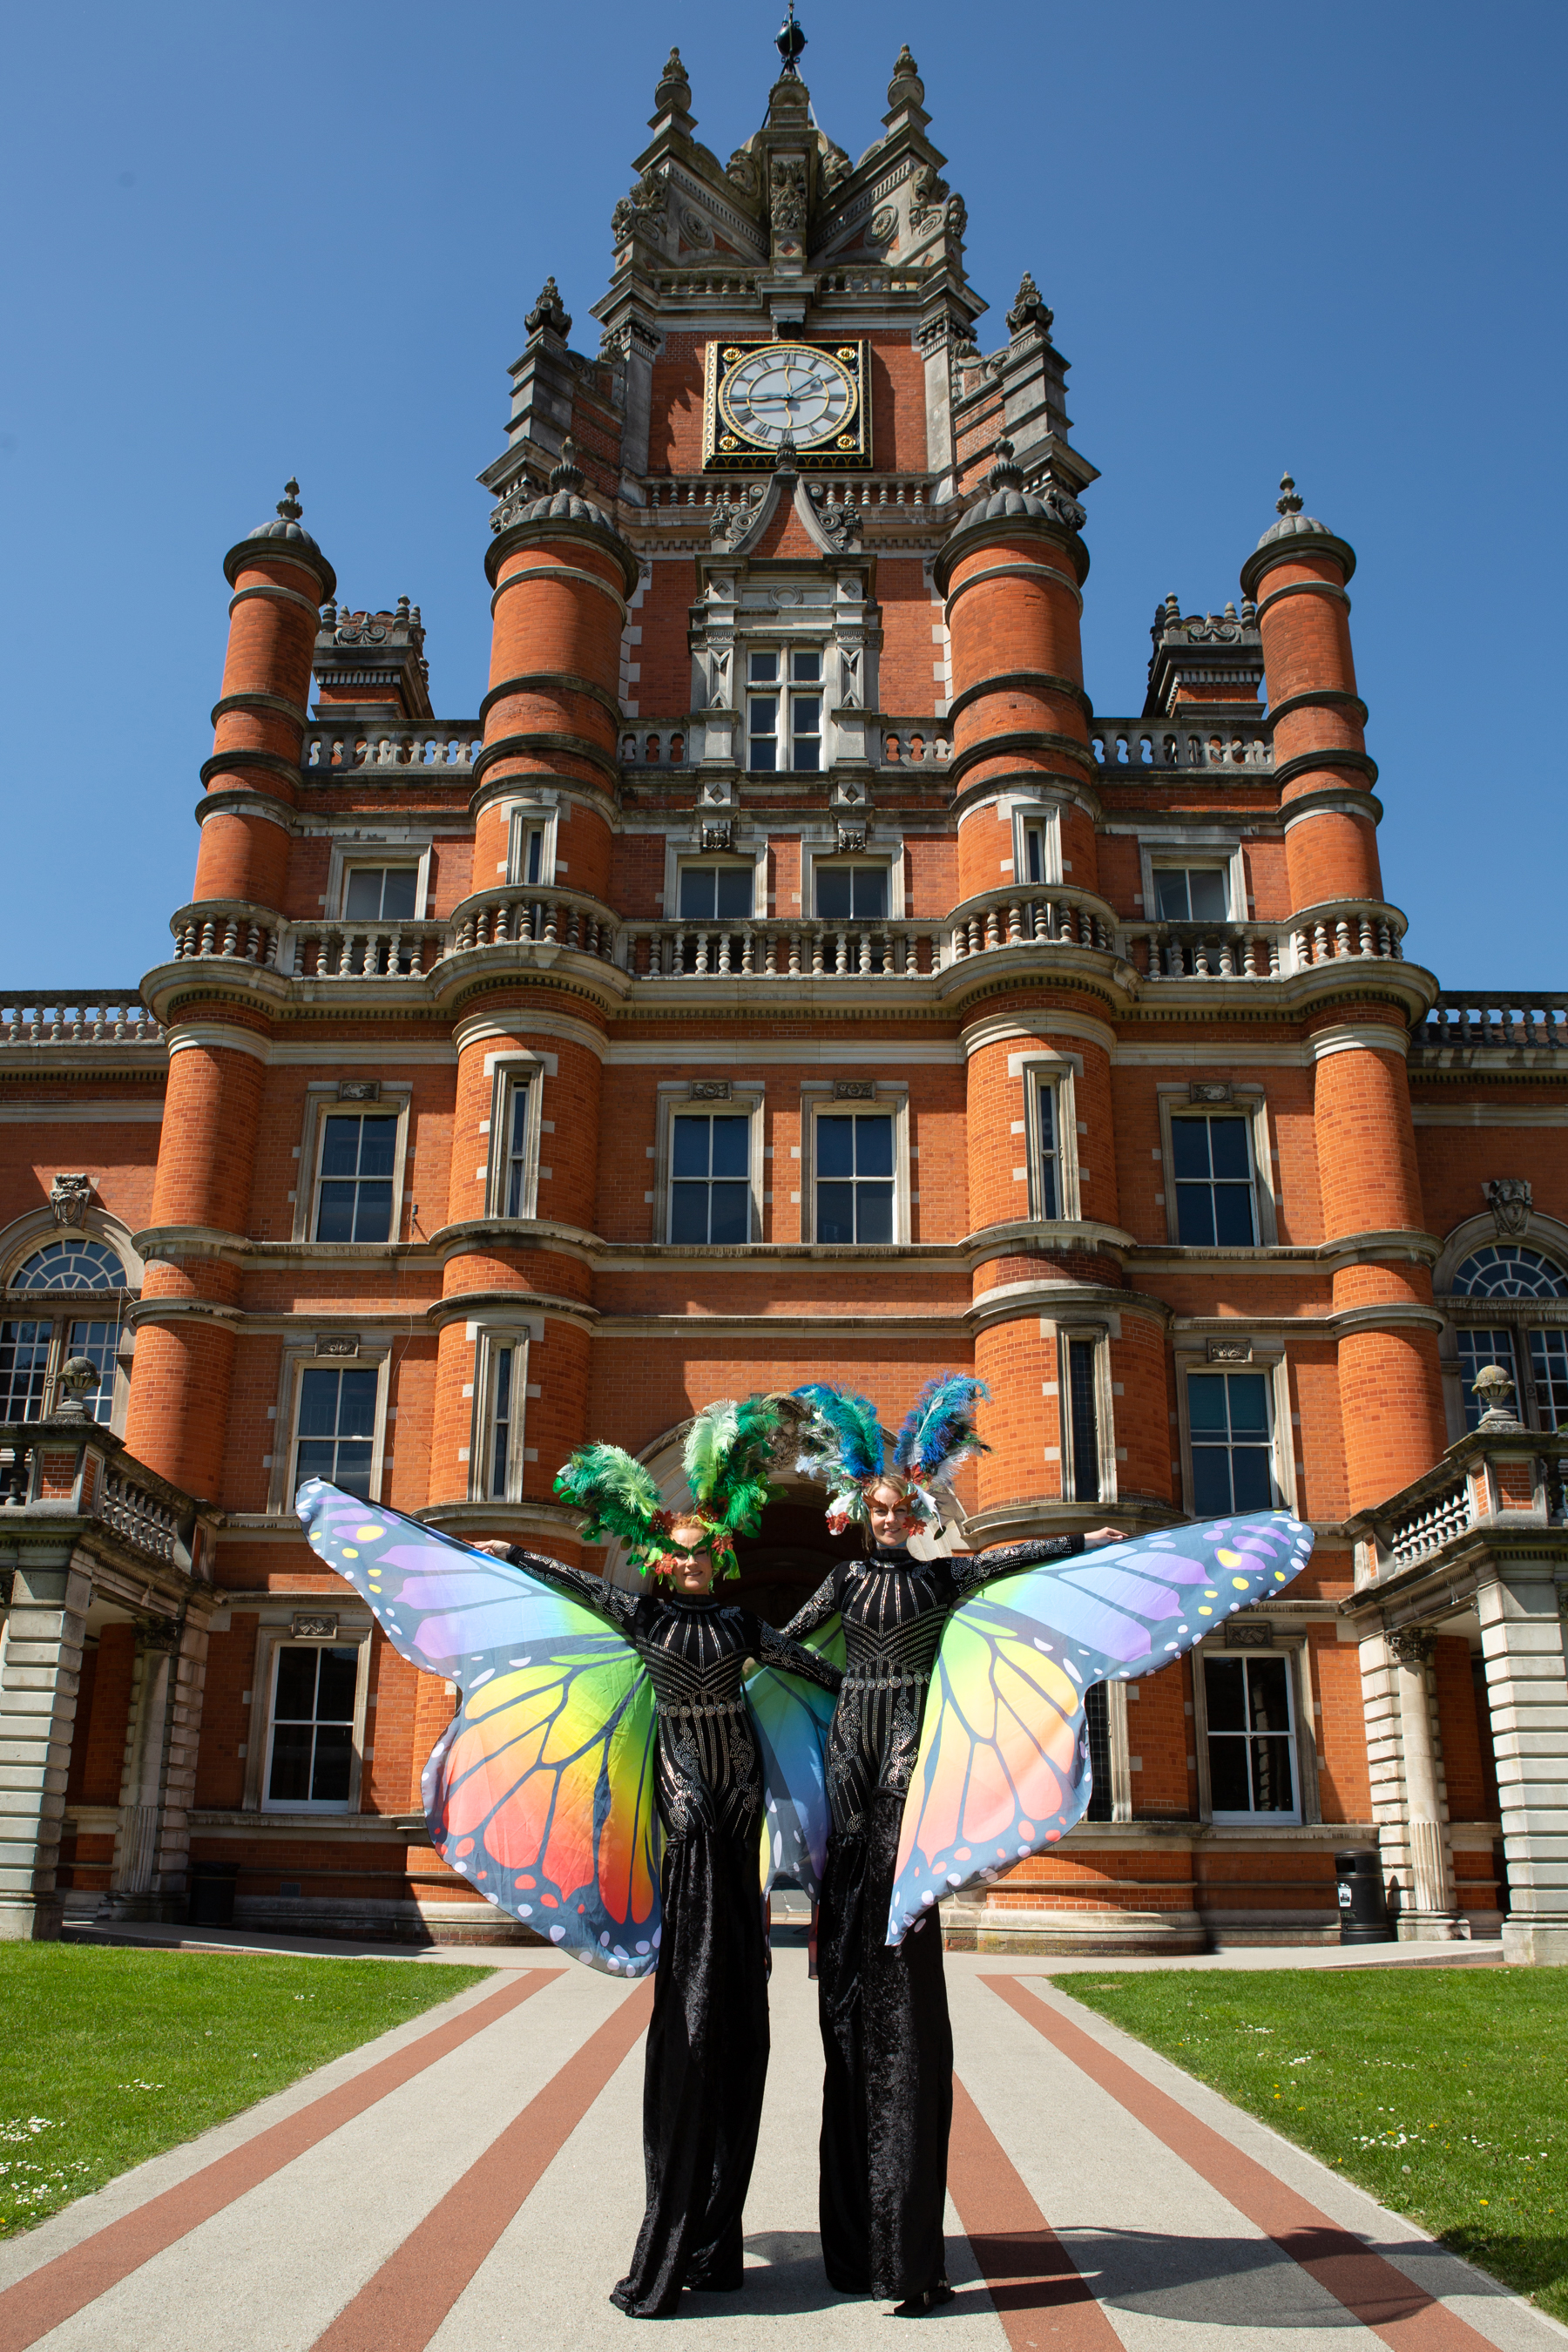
(747,1099)
(1519,1316)
(523,816)
(1267,1356)
(504,1071)
(1044,1066)
(1198,844)
(1024,814)
(488,1340)
(322,1097)
(274,1632)
(1291,1643)
(819,846)
(678,854)
(892,1095)
(399,846)
(1246,1101)
(323,1350)
(1099,1330)
(19,1241)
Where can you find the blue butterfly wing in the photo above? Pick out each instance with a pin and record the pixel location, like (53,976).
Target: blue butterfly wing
(791,1718)
(1003,1766)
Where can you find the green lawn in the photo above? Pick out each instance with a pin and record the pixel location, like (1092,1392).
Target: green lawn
(1443,2090)
(111,2055)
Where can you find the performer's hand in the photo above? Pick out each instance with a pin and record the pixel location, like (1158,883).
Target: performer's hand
(498,1550)
(1099,1536)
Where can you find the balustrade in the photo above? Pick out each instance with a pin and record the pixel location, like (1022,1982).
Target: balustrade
(85,1016)
(1160,745)
(908,741)
(798,951)
(1465,1019)
(446,749)
(1031,918)
(865,494)
(557,919)
(657,747)
(242,934)
(137,1514)
(1424,1530)
(1257,951)
(345,950)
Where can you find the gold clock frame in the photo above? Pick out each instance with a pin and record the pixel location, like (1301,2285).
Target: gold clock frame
(724,353)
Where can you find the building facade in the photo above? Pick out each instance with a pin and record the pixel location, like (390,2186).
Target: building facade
(788,974)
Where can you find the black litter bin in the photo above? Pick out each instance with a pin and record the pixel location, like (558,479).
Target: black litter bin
(1363,1909)
(213,1885)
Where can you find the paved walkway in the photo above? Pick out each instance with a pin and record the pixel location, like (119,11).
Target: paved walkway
(472,2182)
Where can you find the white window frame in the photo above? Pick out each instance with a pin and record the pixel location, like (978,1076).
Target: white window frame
(323,1351)
(1042,818)
(1265,1355)
(396,849)
(891,1096)
(61,1309)
(1098,1336)
(708,863)
(825,851)
(1202,845)
(525,819)
(1250,1103)
(786,688)
(322,1098)
(676,1097)
(491,1342)
(1290,1643)
(507,1073)
(273,1635)
(1060,1074)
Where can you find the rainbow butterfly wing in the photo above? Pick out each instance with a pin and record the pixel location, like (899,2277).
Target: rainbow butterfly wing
(540,1792)
(1003,1766)
(791,1717)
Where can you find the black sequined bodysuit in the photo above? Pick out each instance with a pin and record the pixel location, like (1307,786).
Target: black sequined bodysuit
(707,2053)
(887,2101)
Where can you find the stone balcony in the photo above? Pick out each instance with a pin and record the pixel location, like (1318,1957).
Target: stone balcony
(1478,1547)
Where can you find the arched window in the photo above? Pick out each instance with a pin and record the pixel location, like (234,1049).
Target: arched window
(75,1263)
(1508,1270)
(1533,1353)
(33,1346)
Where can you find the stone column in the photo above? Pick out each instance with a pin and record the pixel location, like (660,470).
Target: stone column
(38,1682)
(1431,1915)
(1523,1643)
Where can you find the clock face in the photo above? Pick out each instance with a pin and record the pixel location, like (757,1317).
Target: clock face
(788,388)
(760,393)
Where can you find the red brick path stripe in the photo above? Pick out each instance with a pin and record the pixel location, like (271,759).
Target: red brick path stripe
(55,2291)
(1370,2288)
(1026,2268)
(401,2307)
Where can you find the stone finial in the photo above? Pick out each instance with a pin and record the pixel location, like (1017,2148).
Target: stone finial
(673,93)
(1494,1387)
(1171,610)
(289,505)
(78,1380)
(906,89)
(1287,503)
(1028,309)
(790,41)
(566,474)
(549,311)
(404,612)
(1004,475)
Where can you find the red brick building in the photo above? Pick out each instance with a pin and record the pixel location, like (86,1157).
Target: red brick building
(786,973)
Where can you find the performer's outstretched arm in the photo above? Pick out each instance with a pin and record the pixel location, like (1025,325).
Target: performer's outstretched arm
(823,1604)
(970,1568)
(608,1600)
(776,1649)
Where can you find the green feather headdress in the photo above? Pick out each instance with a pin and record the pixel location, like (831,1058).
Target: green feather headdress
(729,1450)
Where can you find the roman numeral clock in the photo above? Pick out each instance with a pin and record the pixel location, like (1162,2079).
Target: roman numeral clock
(757,392)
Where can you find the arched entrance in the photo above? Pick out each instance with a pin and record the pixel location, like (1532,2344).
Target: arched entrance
(784,1564)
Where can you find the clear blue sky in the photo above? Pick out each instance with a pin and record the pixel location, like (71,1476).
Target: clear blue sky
(242,242)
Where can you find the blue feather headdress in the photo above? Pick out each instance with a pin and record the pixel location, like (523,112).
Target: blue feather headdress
(938,1436)
(841,1443)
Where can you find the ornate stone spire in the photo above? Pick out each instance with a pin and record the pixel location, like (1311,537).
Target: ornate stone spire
(906,89)
(289,505)
(1028,309)
(566,474)
(549,311)
(673,94)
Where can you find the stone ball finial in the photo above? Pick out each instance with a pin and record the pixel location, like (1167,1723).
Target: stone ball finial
(906,89)
(1288,502)
(1494,1387)
(78,1379)
(673,93)
(289,505)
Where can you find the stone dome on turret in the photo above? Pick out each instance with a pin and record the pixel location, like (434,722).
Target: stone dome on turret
(285,531)
(1294,530)
(1292,522)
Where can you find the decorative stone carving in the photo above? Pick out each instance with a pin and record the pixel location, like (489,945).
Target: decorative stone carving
(718,836)
(852,836)
(855,1090)
(314,1625)
(1248,1634)
(1203,1090)
(1028,309)
(359,1089)
(695,229)
(1411,1644)
(337,1343)
(77,1381)
(673,93)
(929,195)
(740,171)
(835,169)
(1494,1387)
(884,225)
(69,1197)
(787,195)
(957,217)
(1230,1351)
(1510,1199)
(550,310)
(840,522)
(906,89)
(158,1634)
(710,1091)
(643,211)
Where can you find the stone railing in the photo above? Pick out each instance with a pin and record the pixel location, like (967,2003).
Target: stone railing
(345,950)
(76,1016)
(544,918)
(1167,746)
(909,742)
(1494,1478)
(430,750)
(1418,1533)
(1059,916)
(1258,951)
(227,927)
(667,745)
(1467,1018)
(787,951)
(864,494)
(71,1467)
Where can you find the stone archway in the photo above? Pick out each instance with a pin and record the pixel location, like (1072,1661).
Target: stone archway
(782,1565)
